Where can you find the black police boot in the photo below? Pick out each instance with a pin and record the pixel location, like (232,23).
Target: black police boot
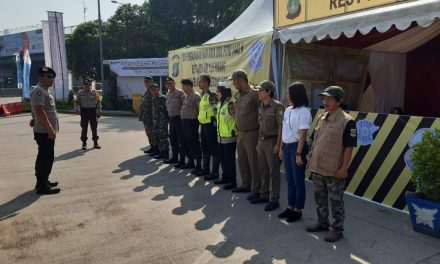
(154,152)
(96,145)
(160,155)
(51,184)
(189,165)
(45,189)
(149,150)
(84,145)
(181,162)
(174,159)
(198,170)
(166,155)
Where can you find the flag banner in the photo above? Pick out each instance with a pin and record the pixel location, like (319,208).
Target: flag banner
(19,70)
(26,73)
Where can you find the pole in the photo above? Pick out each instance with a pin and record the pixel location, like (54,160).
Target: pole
(100,46)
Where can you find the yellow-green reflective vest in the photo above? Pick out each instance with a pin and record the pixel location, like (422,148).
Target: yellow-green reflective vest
(206,111)
(225,122)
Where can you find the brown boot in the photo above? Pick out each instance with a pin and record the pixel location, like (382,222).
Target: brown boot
(333,236)
(316,228)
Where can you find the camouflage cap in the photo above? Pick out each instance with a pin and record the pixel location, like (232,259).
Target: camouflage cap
(238,74)
(148,78)
(333,91)
(154,85)
(267,85)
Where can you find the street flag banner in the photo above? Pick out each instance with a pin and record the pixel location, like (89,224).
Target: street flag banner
(140,67)
(26,73)
(19,70)
(54,44)
(220,60)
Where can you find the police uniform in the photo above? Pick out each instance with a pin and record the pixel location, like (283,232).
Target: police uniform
(42,96)
(246,117)
(227,142)
(88,103)
(190,126)
(160,124)
(146,116)
(332,134)
(174,101)
(270,117)
(208,132)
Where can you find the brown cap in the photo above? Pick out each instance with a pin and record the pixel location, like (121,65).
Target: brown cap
(238,74)
(267,85)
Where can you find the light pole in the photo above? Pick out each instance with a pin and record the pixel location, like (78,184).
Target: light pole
(100,46)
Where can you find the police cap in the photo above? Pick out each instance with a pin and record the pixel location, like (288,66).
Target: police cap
(148,78)
(46,70)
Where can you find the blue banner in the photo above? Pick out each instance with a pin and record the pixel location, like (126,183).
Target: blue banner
(26,73)
(19,71)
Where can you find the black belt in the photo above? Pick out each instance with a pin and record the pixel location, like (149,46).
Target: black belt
(268,137)
(250,130)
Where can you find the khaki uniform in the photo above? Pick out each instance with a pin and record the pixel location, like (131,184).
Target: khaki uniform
(190,126)
(270,117)
(43,96)
(246,116)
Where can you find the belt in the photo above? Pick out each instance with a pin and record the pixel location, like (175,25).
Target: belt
(250,130)
(268,137)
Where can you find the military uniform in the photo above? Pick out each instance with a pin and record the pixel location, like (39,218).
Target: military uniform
(88,102)
(332,134)
(160,125)
(146,116)
(270,116)
(42,96)
(208,132)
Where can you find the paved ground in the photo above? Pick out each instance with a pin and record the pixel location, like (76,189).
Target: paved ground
(116,206)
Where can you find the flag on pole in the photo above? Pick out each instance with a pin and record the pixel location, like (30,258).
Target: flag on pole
(26,73)
(19,70)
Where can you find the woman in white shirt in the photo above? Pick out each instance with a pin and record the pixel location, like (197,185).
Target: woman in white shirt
(296,122)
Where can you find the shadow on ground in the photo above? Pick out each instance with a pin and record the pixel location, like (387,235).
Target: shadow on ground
(14,206)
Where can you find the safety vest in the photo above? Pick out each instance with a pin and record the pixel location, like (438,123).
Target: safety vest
(225,123)
(206,111)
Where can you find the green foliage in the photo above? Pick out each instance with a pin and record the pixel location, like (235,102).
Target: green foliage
(426,159)
(64,105)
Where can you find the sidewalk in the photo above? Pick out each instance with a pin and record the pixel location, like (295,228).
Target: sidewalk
(118,206)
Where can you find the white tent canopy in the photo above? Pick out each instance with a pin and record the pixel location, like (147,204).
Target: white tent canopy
(257,19)
(424,12)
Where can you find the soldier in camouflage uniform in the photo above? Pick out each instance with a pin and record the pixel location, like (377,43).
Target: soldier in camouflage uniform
(146,115)
(329,157)
(160,122)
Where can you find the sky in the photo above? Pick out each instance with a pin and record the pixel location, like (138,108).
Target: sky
(22,13)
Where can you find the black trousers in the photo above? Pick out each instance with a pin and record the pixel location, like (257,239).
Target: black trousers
(176,136)
(208,140)
(227,159)
(45,158)
(88,115)
(191,143)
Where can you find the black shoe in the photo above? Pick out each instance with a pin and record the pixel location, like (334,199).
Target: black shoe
(154,153)
(316,228)
(179,165)
(221,181)
(84,146)
(229,186)
(204,173)
(196,172)
(159,156)
(253,196)
(295,216)
(286,213)
(150,150)
(171,161)
(48,191)
(49,183)
(259,200)
(96,146)
(188,166)
(211,177)
(241,190)
(271,206)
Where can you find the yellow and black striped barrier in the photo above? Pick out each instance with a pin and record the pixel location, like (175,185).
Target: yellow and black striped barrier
(380,169)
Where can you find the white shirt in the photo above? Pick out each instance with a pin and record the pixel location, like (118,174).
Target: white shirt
(294,120)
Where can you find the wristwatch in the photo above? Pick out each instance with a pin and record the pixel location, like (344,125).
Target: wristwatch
(298,154)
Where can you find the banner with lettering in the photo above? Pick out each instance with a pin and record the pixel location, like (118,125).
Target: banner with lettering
(220,60)
(290,12)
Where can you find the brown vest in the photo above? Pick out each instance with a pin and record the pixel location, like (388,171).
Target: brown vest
(326,152)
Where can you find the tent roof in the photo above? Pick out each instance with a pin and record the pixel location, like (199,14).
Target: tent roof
(424,12)
(255,20)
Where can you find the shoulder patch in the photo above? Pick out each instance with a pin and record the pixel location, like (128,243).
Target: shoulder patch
(353,132)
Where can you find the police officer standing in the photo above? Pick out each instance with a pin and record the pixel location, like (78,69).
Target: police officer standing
(174,103)
(208,130)
(146,115)
(246,117)
(190,125)
(270,116)
(160,121)
(88,104)
(45,127)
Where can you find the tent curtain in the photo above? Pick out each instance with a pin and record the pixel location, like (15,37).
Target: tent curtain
(388,71)
(277,62)
(408,40)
